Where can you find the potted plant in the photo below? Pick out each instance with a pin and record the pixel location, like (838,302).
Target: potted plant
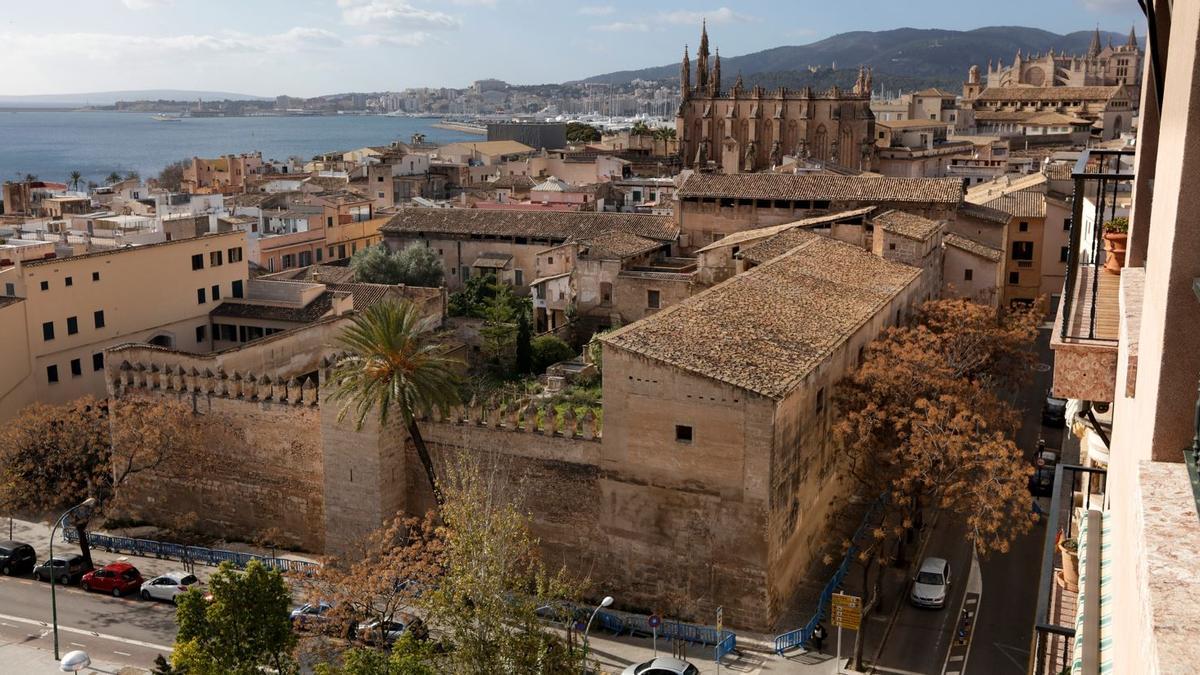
(1069,548)
(1116,234)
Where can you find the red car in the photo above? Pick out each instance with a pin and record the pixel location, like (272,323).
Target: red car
(117,578)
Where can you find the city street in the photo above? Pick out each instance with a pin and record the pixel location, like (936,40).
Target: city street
(920,638)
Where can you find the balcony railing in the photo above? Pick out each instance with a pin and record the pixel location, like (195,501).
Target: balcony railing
(1089,300)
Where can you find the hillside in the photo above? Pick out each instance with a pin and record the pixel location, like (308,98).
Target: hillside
(111,97)
(904,58)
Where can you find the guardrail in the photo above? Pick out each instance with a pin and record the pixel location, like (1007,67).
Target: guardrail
(186,554)
(618,623)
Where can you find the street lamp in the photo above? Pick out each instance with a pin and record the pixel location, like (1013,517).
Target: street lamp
(603,603)
(90,501)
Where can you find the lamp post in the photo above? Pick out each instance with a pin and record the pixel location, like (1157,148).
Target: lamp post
(603,603)
(90,501)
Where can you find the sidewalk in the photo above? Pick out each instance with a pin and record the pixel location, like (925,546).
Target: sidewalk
(25,657)
(616,653)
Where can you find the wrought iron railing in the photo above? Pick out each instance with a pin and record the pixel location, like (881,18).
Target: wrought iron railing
(1100,179)
(1067,479)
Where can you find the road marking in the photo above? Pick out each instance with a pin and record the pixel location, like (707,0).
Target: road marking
(956,658)
(80,631)
(122,653)
(78,644)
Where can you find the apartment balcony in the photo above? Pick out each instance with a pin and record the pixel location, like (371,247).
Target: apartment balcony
(1087,325)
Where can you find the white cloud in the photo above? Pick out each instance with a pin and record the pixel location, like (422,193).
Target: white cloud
(715,16)
(145,4)
(415,39)
(1106,5)
(597,10)
(114,47)
(394,15)
(622,27)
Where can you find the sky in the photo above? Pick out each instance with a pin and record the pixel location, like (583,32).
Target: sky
(312,47)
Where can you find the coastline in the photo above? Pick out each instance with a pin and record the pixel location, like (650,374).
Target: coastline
(460,126)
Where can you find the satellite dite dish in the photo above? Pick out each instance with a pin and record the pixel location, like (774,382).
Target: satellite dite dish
(75,661)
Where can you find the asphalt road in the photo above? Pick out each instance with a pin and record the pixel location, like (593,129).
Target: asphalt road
(920,638)
(125,630)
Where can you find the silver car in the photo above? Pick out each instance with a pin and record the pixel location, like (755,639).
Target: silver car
(168,586)
(931,587)
(663,665)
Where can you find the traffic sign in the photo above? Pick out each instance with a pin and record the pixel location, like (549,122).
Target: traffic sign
(846,601)
(720,620)
(846,611)
(654,621)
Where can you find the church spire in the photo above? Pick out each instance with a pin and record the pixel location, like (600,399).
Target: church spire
(715,82)
(1094,48)
(685,75)
(1132,41)
(702,58)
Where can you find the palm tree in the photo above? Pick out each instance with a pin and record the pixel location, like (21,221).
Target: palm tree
(113,177)
(393,370)
(75,178)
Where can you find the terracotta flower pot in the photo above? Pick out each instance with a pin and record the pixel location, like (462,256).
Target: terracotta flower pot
(1070,567)
(1114,244)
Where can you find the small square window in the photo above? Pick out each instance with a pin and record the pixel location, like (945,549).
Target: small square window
(1014,278)
(216,292)
(95,276)
(1023,226)
(72,325)
(76,368)
(45,285)
(198,261)
(200,296)
(968,275)
(98,361)
(98,317)
(1062,254)
(653,299)
(891,247)
(683,433)
(69,281)
(201,333)
(52,374)
(236,288)
(48,331)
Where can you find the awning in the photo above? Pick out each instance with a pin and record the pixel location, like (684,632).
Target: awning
(497,261)
(1093,611)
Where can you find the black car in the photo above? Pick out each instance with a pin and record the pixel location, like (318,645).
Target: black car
(65,569)
(1041,483)
(16,558)
(1054,411)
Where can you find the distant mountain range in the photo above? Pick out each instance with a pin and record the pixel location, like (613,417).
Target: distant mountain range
(111,97)
(903,58)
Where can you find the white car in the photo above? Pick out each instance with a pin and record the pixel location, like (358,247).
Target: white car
(663,665)
(931,587)
(168,586)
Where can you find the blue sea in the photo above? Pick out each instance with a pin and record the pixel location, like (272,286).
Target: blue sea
(51,145)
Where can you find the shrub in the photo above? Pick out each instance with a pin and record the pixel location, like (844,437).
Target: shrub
(549,350)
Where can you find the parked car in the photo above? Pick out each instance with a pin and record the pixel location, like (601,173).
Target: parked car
(385,632)
(119,578)
(1054,411)
(168,586)
(308,614)
(931,587)
(1041,483)
(16,558)
(663,665)
(65,569)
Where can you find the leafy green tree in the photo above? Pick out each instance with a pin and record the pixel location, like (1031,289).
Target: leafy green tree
(393,369)
(640,129)
(419,266)
(171,176)
(474,297)
(30,177)
(549,350)
(112,177)
(409,656)
(499,331)
(416,265)
(524,348)
(578,132)
(242,629)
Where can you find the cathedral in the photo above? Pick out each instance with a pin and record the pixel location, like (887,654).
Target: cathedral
(745,130)
(1099,67)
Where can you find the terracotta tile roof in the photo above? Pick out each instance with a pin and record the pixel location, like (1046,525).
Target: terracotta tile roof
(326,274)
(512,182)
(911,124)
(364,295)
(766,329)
(236,309)
(830,187)
(973,247)
(984,213)
(1027,117)
(560,225)
(618,245)
(907,224)
(492,260)
(1022,204)
(934,91)
(1058,170)
(484,147)
(1048,93)
(776,245)
(769,231)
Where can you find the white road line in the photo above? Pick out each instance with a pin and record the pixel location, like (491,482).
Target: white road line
(80,631)
(956,658)
(122,653)
(78,644)
(7,624)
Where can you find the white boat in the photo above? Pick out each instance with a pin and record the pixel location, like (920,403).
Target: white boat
(165,118)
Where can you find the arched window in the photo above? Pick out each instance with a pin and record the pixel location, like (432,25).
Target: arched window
(821,144)
(846,147)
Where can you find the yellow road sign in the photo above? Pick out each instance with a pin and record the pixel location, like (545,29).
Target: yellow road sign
(846,611)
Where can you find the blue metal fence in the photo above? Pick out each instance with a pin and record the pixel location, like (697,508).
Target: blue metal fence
(726,646)
(189,554)
(796,638)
